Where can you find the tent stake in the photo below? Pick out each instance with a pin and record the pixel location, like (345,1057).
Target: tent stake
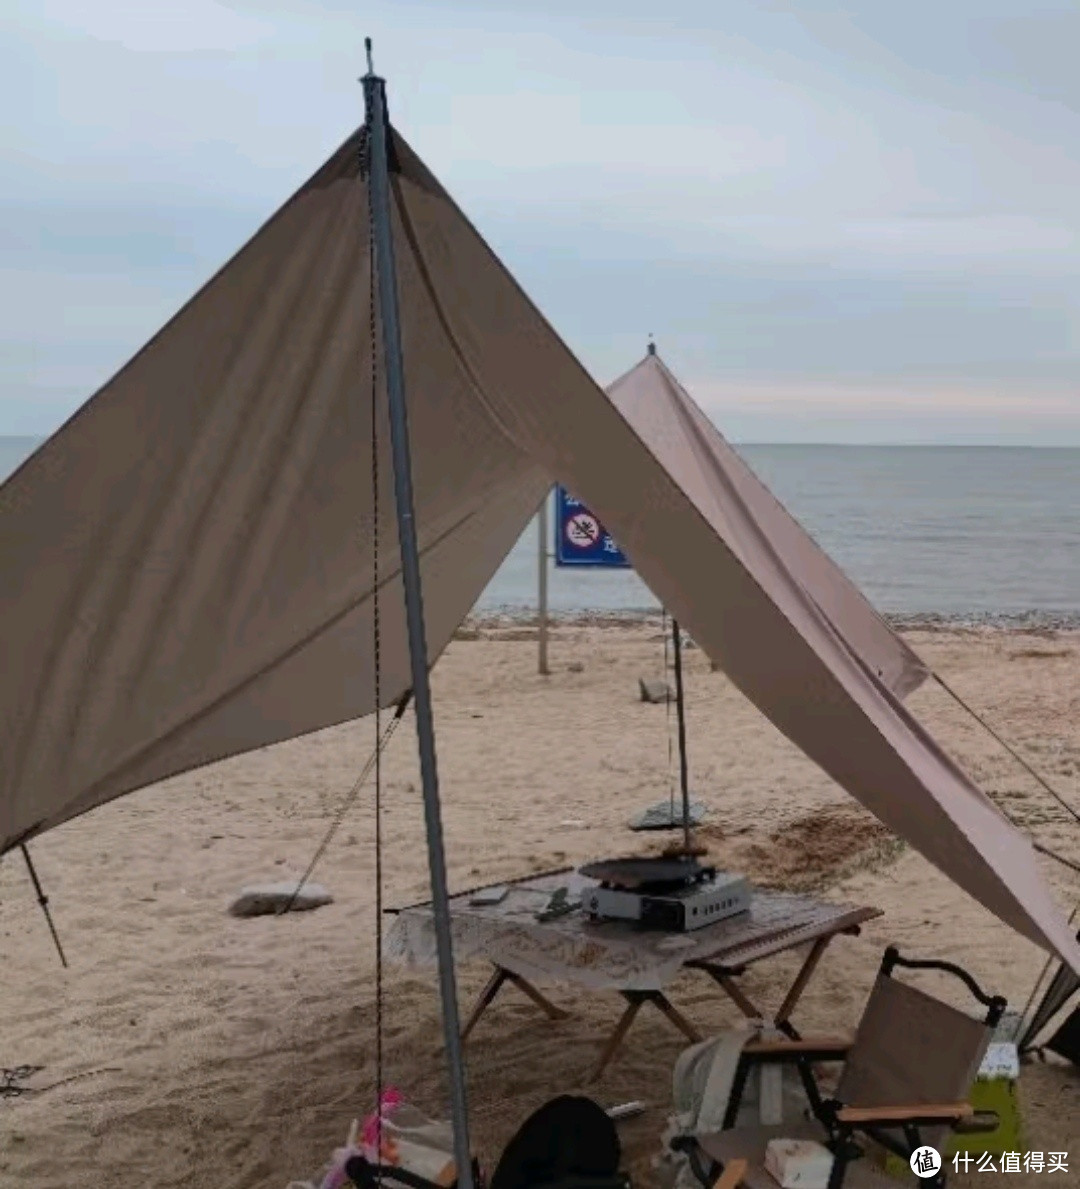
(680,709)
(43,900)
(382,231)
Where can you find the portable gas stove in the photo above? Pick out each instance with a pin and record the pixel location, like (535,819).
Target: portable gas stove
(675,893)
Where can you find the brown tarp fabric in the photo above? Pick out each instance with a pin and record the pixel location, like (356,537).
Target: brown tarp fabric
(187,567)
(750,518)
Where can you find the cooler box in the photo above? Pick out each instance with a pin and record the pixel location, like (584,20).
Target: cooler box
(996,1090)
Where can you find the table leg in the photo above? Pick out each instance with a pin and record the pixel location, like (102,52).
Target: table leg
(542,1002)
(635,1000)
(733,991)
(633,1006)
(491,989)
(782,1019)
(801,979)
(677,1018)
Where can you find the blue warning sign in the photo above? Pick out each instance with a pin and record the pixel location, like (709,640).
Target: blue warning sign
(580,538)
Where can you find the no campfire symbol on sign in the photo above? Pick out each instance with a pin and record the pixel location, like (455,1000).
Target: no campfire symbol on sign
(583,530)
(580,538)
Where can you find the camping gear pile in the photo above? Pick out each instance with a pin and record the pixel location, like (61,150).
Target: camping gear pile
(397,1136)
(569,1143)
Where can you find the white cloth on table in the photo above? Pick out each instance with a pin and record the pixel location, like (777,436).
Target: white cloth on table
(604,955)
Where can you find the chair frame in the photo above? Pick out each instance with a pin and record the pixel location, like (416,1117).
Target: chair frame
(842,1123)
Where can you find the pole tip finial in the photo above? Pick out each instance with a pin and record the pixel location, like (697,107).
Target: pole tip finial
(652,346)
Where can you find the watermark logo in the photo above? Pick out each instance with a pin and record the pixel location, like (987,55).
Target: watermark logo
(925,1162)
(1009,1162)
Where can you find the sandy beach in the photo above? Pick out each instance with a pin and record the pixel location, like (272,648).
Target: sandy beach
(216,1053)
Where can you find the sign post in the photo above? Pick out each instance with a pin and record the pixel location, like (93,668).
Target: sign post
(542,583)
(580,540)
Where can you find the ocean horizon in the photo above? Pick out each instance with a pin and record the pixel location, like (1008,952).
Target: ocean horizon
(979,534)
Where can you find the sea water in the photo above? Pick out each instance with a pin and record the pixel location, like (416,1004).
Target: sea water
(960,533)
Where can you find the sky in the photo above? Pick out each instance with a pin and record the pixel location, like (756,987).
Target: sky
(853,222)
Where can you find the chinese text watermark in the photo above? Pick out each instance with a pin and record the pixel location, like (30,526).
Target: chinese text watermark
(926,1162)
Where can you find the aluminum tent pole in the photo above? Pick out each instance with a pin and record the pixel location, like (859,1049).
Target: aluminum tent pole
(379,197)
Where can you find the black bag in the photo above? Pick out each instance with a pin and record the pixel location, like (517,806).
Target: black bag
(569,1143)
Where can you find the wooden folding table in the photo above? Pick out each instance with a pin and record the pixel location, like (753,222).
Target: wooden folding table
(617,955)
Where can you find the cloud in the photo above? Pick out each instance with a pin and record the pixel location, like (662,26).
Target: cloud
(907,413)
(826,201)
(162,27)
(888,397)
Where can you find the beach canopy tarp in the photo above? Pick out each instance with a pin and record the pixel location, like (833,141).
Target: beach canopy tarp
(187,566)
(751,520)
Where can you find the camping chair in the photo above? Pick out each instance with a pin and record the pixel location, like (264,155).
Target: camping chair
(904,1084)
(569,1143)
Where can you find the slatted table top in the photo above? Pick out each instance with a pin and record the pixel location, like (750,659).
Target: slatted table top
(614,954)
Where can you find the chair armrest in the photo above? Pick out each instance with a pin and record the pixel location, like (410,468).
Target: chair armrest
(927,1112)
(822,1048)
(689,1146)
(732,1175)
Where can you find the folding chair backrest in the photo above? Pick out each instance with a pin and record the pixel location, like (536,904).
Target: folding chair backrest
(911,1049)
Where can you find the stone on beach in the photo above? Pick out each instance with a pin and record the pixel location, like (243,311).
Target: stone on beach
(263,899)
(655,691)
